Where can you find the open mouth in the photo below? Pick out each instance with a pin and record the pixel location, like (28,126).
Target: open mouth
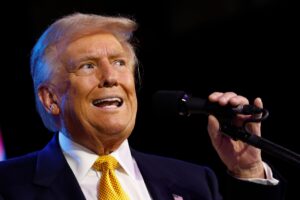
(108,102)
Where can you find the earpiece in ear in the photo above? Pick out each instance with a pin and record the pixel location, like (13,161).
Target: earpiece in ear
(52,107)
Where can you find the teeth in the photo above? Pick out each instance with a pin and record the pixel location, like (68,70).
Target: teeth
(109,101)
(97,101)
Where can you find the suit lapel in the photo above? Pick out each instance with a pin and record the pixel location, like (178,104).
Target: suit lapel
(159,186)
(55,175)
(159,191)
(57,180)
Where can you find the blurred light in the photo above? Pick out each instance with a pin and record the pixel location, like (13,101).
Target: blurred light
(2,151)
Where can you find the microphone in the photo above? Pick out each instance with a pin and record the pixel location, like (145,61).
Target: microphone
(179,102)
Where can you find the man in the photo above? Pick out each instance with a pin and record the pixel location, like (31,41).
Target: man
(83,70)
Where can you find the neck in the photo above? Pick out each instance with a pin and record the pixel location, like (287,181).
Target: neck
(97,145)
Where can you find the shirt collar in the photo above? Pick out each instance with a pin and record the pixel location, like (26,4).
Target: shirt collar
(82,159)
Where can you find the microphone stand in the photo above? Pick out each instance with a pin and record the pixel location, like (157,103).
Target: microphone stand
(261,143)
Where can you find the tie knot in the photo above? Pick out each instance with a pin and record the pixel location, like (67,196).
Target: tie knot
(105,162)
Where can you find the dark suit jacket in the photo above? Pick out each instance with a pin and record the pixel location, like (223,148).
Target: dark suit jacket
(45,175)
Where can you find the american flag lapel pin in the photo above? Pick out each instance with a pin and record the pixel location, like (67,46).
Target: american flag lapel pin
(177,197)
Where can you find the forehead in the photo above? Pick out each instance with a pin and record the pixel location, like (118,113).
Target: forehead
(101,44)
(93,46)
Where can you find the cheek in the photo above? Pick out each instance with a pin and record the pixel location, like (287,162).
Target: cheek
(81,87)
(130,86)
(129,81)
(76,93)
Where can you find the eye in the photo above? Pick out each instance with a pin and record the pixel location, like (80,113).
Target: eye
(119,63)
(87,66)
(86,69)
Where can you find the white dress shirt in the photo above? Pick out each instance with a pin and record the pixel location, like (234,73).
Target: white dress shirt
(269,180)
(82,159)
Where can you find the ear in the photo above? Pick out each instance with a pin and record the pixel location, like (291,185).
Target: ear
(48,99)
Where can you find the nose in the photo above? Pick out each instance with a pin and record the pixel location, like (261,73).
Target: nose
(107,75)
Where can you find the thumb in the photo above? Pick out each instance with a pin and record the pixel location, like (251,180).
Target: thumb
(213,129)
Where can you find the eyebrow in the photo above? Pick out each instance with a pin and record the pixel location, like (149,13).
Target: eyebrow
(96,57)
(84,58)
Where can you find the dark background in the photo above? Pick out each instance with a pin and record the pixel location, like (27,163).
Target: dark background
(246,46)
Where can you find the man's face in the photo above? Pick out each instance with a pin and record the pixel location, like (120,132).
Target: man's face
(100,98)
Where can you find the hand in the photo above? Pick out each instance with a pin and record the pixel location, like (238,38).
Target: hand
(241,159)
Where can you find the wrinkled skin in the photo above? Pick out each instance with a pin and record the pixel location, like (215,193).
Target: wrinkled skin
(241,159)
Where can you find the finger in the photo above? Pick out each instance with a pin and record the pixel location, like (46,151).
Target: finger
(238,100)
(224,99)
(213,97)
(213,128)
(255,128)
(258,102)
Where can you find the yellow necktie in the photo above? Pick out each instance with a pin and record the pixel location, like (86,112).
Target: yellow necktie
(109,187)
